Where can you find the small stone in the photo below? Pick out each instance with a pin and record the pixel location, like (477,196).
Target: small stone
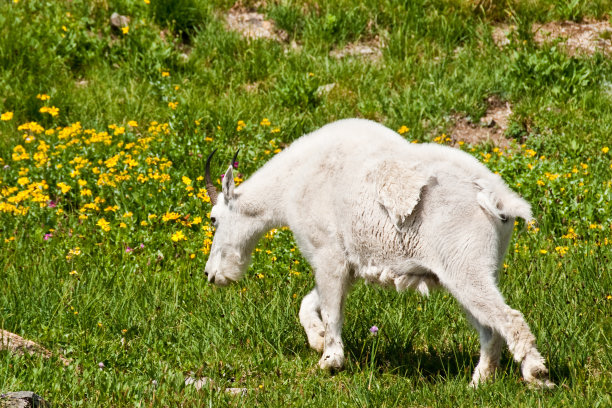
(324,89)
(119,21)
(236,391)
(198,383)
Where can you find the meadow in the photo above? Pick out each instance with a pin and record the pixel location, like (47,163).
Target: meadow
(104,229)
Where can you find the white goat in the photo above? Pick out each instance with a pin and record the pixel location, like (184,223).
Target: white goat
(362,202)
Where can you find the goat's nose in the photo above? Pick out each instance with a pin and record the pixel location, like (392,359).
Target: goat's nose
(212,279)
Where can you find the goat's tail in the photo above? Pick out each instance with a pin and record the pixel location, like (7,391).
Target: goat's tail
(498,200)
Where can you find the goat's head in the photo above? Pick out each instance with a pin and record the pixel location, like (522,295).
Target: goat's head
(231,248)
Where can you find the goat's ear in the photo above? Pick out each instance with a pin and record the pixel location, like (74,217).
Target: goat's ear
(228,184)
(398,186)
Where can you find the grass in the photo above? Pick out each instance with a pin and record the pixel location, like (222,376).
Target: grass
(108,266)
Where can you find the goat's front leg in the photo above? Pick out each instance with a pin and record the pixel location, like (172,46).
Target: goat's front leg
(310,317)
(332,285)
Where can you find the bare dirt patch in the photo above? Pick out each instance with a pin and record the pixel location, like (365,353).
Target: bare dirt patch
(253,25)
(587,37)
(490,128)
(501,34)
(18,345)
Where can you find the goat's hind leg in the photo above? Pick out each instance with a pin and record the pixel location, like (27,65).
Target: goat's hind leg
(491,343)
(481,298)
(310,318)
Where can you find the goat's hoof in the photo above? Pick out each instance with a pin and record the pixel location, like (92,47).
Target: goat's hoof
(317,341)
(535,374)
(331,361)
(483,374)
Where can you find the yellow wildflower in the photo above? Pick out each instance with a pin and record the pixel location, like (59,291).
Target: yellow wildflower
(53,111)
(570,234)
(125,29)
(170,216)
(103,224)
(7,116)
(403,129)
(73,252)
(178,236)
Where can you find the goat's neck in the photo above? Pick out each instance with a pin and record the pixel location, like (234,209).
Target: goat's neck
(262,198)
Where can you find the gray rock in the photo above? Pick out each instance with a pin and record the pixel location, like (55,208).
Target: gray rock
(22,399)
(119,21)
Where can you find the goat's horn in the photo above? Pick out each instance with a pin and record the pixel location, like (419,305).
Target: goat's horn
(234,159)
(210,187)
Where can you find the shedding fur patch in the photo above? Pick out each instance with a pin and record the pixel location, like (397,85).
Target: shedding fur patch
(399,186)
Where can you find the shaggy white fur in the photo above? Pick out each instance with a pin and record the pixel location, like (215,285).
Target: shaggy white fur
(362,202)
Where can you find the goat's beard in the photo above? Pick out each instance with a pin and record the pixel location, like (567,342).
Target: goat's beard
(232,270)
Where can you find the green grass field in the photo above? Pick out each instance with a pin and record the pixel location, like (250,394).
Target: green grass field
(104,231)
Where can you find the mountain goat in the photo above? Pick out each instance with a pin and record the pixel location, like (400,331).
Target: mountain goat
(362,202)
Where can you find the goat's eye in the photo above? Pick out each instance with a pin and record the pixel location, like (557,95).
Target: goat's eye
(213,220)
